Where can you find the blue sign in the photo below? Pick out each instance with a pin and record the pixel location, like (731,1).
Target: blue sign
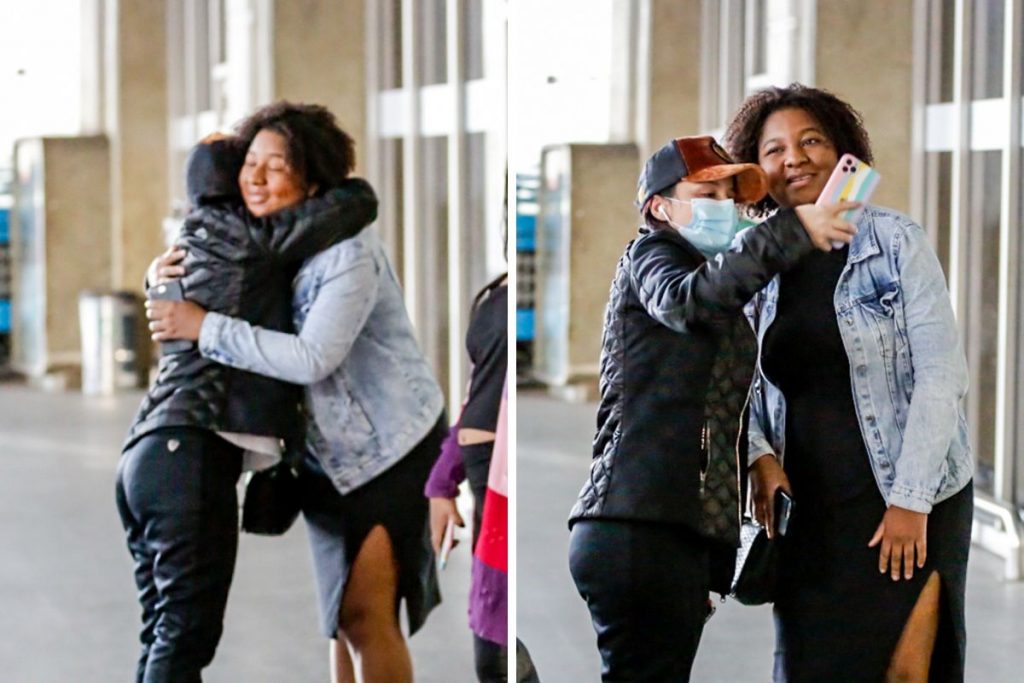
(524,325)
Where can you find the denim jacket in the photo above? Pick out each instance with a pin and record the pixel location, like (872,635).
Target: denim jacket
(907,368)
(371,394)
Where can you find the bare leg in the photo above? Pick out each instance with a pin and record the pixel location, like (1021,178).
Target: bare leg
(368,617)
(912,657)
(342,670)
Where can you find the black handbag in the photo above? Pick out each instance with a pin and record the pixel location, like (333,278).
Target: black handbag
(272,500)
(757,566)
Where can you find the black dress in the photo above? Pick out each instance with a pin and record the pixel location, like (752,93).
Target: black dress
(837,618)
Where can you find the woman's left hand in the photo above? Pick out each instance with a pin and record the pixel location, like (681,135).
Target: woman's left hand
(903,534)
(174,319)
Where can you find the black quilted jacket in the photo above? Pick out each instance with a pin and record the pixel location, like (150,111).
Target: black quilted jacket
(676,365)
(243,267)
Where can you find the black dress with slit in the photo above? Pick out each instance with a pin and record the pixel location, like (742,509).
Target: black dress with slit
(837,618)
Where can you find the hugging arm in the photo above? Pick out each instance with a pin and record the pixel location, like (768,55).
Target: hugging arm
(296,233)
(679,294)
(335,318)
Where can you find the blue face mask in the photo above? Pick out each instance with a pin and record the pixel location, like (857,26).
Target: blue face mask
(713,226)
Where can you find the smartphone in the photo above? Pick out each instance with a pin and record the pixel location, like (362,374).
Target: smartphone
(447,542)
(783,511)
(171,291)
(851,181)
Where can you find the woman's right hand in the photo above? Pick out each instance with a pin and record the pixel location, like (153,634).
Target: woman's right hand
(441,510)
(165,267)
(823,224)
(767,477)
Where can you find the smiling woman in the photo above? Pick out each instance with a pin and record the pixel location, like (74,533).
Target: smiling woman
(874,561)
(375,413)
(278,170)
(268,182)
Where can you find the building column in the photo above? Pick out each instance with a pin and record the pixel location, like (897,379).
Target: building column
(881,33)
(319,57)
(668,72)
(135,120)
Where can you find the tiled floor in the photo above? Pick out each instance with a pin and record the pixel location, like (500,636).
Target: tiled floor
(553,458)
(67,598)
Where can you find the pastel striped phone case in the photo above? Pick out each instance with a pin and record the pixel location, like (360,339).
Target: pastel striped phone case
(853,181)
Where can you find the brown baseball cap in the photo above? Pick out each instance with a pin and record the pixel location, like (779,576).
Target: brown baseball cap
(698,159)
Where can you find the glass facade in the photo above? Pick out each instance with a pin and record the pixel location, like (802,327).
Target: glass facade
(437,145)
(970,61)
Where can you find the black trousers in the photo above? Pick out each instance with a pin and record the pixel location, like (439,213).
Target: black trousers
(476,459)
(646,585)
(177,501)
(490,660)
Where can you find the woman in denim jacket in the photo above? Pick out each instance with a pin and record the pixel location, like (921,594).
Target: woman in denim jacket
(376,415)
(860,382)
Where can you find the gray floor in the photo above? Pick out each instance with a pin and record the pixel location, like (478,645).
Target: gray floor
(552,460)
(67,599)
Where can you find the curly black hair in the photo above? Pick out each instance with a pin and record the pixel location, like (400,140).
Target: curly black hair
(843,125)
(320,152)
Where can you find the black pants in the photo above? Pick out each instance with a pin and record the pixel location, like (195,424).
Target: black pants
(646,585)
(177,501)
(476,459)
(491,661)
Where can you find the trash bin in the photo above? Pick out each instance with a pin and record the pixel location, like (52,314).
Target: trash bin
(112,346)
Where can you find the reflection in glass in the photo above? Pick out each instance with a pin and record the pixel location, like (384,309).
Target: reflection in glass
(432,256)
(987,57)
(939,176)
(940,62)
(474,48)
(982,310)
(390,45)
(432,60)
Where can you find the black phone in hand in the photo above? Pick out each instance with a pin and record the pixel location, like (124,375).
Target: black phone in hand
(171,290)
(783,511)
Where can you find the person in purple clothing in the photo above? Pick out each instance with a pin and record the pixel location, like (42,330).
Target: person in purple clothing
(466,454)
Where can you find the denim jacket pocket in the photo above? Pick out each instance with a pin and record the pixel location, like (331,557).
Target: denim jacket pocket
(883,311)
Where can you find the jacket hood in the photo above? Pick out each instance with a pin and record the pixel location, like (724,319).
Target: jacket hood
(211,172)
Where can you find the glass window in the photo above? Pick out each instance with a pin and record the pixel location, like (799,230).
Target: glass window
(987,57)
(390,44)
(982,319)
(391,211)
(432,60)
(939,177)
(477,229)
(199,32)
(1018,448)
(757,37)
(432,259)
(474,34)
(940,62)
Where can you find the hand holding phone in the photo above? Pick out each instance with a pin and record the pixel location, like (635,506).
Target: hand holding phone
(170,290)
(852,180)
(447,542)
(783,511)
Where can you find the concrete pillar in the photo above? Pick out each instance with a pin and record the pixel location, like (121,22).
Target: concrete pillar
(136,121)
(60,226)
(878,36)
(586,219)
(319,57)
(673,83)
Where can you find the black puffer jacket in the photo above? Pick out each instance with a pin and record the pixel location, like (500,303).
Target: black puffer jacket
(676,364)
(243,267)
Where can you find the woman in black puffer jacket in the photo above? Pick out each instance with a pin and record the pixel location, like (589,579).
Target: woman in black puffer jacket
(657,522)
(200,421)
